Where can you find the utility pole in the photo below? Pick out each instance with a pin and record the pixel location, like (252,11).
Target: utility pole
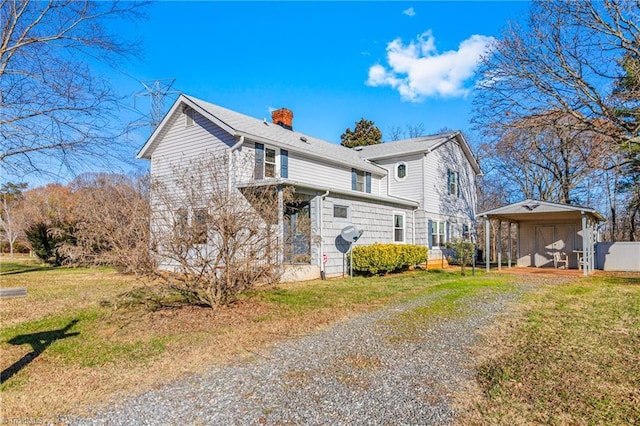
(157,91)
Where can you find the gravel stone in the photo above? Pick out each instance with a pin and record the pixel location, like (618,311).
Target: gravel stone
(357,372)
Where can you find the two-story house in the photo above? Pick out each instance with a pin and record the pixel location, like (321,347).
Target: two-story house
(416,191)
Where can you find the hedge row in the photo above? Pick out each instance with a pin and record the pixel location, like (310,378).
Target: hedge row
(383,258)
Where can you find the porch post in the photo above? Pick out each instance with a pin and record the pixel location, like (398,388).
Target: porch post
(487,243)
(499,249)
(585,244)
(281,226)
(509,245)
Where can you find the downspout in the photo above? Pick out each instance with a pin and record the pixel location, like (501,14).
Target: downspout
(230,159)
(320,257)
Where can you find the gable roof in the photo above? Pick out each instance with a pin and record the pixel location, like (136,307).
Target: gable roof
(238,124)
(423,144)
(530,209)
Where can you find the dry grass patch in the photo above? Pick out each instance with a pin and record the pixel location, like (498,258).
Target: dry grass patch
(568,356)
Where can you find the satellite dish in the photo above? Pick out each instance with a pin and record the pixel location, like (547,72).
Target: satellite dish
(350,233)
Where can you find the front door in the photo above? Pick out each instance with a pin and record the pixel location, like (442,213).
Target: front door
(297,233)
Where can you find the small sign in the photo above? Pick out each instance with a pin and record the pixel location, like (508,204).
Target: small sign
(325,258)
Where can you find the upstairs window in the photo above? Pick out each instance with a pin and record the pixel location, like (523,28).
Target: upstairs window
(188,116)
(360,181)
(266,162)
(401,171)
(453,187)
(269,162)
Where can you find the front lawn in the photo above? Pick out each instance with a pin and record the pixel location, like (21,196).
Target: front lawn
(73,343)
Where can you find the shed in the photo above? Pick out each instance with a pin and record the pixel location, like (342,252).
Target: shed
(545,230)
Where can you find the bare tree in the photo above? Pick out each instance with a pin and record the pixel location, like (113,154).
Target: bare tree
(407,132)
(11,217)
(578,61)
(52,105)
(212,240)
(111,214)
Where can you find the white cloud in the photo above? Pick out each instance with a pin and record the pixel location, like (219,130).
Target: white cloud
(418,71)
(409,12)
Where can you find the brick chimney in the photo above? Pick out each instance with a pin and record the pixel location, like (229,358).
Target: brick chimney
(283,117)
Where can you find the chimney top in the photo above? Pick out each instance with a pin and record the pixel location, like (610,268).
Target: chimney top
(283,117)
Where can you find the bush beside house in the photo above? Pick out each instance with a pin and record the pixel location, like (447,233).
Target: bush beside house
(383,258)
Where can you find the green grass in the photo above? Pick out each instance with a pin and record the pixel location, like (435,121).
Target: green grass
(574,358)
(20,266)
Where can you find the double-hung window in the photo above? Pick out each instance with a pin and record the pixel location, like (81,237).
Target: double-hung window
(267,161)
(438,234)
(360,181)
(398,227)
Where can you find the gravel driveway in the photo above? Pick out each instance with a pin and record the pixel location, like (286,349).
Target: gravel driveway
(360,371)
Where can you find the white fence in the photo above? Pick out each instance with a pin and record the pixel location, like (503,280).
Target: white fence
(621,256)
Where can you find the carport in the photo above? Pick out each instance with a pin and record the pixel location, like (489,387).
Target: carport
(545,232)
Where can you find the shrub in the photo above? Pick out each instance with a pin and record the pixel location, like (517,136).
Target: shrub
(463,251)
(383,258)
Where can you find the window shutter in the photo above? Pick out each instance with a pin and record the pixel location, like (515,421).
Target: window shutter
(458,184)
(368,182)
(284,163)
(430,233)
(258,170)
(354,179)
(449,181)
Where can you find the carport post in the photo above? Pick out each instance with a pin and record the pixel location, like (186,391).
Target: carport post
(585,244)
(499,249)
(487,243)
(509,245)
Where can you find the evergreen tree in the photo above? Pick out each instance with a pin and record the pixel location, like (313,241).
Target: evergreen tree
(365,133)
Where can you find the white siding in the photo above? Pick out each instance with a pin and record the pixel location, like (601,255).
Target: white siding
(181,143)
(410,187)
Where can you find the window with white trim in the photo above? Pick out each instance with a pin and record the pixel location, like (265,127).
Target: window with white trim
(438,236)
(398,227)
(401,171)
(200,225)
(269,162)
(340,212)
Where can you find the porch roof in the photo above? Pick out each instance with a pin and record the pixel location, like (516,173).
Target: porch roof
(364,195)
(530,210)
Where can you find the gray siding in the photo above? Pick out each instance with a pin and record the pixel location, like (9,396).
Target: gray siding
(375,219)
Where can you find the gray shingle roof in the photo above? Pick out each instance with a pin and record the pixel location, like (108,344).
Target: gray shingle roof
(406,146)
(290,139)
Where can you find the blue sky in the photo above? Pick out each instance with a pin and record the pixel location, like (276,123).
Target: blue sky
(316,58)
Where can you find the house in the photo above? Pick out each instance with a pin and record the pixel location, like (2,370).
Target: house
(416,191)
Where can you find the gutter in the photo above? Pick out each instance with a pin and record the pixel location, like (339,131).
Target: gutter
(232,170)
(320,212)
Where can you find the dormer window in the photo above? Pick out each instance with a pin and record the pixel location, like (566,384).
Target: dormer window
(401,171)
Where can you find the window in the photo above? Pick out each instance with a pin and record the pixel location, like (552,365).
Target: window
(465,231)
(266,162)
(398,227)
(401,171)
(360,181)
(452,183)
(188,116)
(438,234)
(269,162)
(181,221)
(199,224)
(340,212)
